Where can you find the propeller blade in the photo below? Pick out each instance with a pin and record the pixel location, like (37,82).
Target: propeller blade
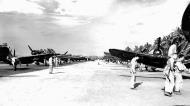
(14,54)
(30,48)
(65,52)
(10,52)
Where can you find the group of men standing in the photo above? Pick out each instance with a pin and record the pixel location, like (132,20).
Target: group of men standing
(53,61)
(172,71)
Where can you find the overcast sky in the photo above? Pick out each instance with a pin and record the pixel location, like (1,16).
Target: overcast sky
(86,27)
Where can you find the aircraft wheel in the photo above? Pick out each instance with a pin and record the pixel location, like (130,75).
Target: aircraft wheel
(153,69)
(37,63)
(45,63)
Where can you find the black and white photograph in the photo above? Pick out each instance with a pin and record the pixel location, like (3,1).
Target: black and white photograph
(94,52)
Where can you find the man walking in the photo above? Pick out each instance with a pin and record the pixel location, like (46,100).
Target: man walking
(179,68)
(169,74)
(133,72)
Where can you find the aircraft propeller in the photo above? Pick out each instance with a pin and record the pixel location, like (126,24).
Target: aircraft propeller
(65,52)
(14,53)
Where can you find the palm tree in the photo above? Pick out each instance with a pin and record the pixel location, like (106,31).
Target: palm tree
(136,49)
(141,49)
(147,48)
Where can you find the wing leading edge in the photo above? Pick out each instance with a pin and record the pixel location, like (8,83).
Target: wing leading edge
(147,59)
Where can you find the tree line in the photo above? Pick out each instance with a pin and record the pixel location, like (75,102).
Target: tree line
(164,44)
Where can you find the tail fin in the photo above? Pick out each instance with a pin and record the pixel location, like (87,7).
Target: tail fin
(30,48)
(12,53)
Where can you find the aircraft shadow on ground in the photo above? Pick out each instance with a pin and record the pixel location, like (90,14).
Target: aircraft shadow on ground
(184,77)
(17,76)
(57,72)
(8,70)
(118,69)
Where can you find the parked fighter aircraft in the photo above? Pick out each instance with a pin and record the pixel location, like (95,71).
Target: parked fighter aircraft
(7,57)
(43,55)
(41,51)
(109,58)
(64,57)
(147,59)
(73,58)
(49,52)
(78,58)
(159,60)
(5,54)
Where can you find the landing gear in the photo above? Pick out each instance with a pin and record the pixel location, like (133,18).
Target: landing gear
(153,69)
(14,67)
(45,62)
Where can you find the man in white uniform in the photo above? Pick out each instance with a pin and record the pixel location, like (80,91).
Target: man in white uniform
(51,65)
(169,74)
(133,71)
(169,69)
(179,68)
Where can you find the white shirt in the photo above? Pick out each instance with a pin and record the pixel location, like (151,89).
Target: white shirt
(134,63)
(172,50)
(169,66)
(50,61)
(180,66)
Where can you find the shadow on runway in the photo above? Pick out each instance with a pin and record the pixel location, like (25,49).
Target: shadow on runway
(17,76)
(142,76)
(118,69)
(184,76)
(57,72)
(7,70)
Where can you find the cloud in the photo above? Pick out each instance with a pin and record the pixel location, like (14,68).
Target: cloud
(20,6)
(85,7)
(19,30)
(50,6)
(89,8)
(76,8)
(138,24)
(89,26)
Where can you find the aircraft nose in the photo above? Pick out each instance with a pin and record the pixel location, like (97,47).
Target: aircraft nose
(113,52)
